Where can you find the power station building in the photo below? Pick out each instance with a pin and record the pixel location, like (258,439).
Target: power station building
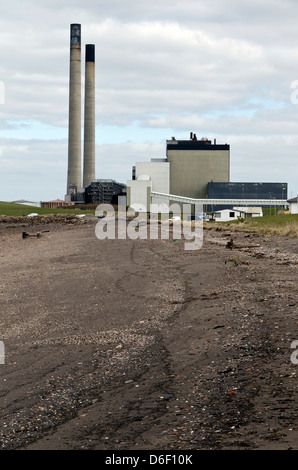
(186,171)
(193,168)
(197,169)
(194,163)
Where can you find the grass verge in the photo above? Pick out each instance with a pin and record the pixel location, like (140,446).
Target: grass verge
(282,225)
(19,210)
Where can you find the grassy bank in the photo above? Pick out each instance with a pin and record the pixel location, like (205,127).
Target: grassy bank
(19,210)
(285,225)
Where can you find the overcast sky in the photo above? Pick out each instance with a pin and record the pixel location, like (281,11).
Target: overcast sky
(221,69)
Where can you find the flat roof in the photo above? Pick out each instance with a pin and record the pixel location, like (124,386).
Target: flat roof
(294,199)
(195,145)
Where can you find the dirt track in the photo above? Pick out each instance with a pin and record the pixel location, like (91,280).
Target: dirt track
(122,344)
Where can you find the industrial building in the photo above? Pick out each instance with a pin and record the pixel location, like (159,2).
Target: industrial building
(186,171)
(193,163)
(231,190)
(200,170)
(194,168)
(104,191)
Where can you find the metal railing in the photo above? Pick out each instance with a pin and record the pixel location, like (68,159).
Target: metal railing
(230,202)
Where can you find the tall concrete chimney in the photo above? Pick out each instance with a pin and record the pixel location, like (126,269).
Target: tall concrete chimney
(74,176)
(89,120)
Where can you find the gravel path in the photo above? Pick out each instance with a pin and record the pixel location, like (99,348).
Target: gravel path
(139,344)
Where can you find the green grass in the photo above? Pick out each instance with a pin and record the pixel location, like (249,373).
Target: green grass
(273,220)
(268,225)
(18,210)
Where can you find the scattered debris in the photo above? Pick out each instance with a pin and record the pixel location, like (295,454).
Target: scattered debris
(230,244)
(228,330)
(28,235)
(6,221)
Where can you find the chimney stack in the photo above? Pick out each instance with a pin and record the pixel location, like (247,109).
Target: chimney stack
(89,117)
(74,124)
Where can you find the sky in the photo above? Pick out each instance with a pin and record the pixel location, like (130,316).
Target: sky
(225,70)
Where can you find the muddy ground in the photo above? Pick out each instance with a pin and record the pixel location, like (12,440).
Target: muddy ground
(141,344)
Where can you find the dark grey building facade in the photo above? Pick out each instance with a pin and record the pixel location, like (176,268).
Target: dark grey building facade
(231,190)
(104,191)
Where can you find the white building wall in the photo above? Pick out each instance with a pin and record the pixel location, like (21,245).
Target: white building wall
(225,215)
(139,194)
(159,172)
(293,207)
(249,211)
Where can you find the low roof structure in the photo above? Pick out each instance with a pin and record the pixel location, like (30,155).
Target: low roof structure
(249,210)
(294,199)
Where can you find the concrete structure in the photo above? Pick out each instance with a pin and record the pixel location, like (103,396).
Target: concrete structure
(159,173)
(74,125)
(89,117)
(194,163)
(228,202)
(139,194)
(293,205)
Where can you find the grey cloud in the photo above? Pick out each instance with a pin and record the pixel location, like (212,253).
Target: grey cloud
(223,68)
